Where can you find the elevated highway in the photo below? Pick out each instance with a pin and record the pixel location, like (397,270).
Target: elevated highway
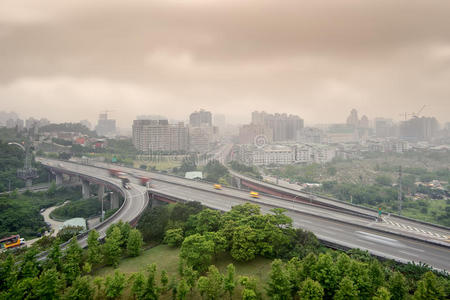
(344,229)
(135,199)
(389,222)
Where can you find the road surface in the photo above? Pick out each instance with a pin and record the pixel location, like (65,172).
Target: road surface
(349,234)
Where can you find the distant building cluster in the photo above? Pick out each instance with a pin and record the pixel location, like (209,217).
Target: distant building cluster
(286,154)
(159,135)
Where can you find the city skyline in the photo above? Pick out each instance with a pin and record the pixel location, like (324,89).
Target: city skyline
(71,60)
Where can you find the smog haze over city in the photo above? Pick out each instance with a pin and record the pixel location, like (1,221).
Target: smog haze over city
(225,149)
(69,60)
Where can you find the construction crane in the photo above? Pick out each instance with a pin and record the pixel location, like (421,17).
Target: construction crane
(418,113)
(412,114)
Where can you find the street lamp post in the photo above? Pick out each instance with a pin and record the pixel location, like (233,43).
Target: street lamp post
(293,201)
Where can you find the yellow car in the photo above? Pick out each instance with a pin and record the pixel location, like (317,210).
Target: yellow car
(217,186)
(254,194)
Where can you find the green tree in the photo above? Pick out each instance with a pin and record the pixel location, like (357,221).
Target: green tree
(164,281)
(279,285)
(376,274)
(174,237)
(244,243)
(151,288)
(191,276)
(182,289)
(94,255)
(29,266)
(249,291)
(51,191)
(8,272)
(429,288)
(347,290)
(153,223)
(111,248)
(138,286)
(294,270)
(99,287)
(311,290)
(115,285)
(134,244)
(197,251)
(54,256)
(384,180)
(397,286)
(207,220)
(72,260)
(48,285)
(211,285)
(230,280)
(81,289)
(382,294)
(324,271)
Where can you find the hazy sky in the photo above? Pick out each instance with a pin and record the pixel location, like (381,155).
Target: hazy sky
(68,60)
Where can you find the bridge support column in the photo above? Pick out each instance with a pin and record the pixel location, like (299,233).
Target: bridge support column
(28,183)
(114,200)
(85,189)
(101,192)
(58,179)
(238,182)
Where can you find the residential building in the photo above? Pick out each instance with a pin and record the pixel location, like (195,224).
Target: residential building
(159,135)
(202,138)
(249,133)
(419,129)
(284,127)
(200,118)
(105,126)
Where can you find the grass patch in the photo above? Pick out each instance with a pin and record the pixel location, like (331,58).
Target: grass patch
(166,258)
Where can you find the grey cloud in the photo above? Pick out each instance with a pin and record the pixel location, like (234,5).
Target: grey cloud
(317,59)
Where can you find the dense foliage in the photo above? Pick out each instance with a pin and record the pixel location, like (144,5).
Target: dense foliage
(216,172)
(304,273)
(84,208)
(250,171)
(68,127)
(20,213)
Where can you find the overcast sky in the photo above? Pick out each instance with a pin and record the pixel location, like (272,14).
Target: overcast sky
(68,60)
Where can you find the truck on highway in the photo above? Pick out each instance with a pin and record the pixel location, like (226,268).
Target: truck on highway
(116,173)
(125,182)
(145,181)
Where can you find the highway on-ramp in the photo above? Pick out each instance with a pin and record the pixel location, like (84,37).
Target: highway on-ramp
(136,198)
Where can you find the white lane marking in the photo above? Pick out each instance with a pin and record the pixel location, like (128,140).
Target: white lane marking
(379,239)
(408,253)
(364,241)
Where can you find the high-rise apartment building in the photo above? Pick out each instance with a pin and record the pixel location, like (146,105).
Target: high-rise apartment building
(419,129)
(159,135)
(384,127)
(105,126)
(285,127)
(353,119)
(200,118)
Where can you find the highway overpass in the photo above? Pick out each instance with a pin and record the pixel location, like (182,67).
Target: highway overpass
(351,230)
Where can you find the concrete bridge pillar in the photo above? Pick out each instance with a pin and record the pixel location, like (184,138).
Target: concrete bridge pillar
(28,183)
(58,178)
(85,188)
(238,182)
(101,192)
(114,200)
